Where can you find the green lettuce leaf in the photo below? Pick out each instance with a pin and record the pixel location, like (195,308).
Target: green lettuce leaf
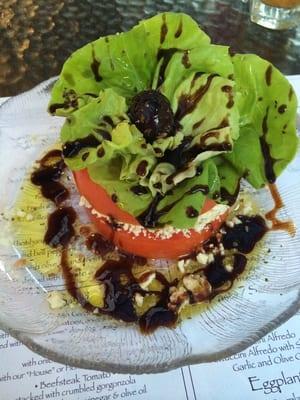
(125,62)
(267,106)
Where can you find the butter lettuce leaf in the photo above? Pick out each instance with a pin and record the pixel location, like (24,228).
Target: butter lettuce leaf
(125,62)
(267,106)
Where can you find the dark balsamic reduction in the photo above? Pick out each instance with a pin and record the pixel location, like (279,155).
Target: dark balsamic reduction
(268,75)
(46,174)
(179,30)
(91,94)
(185,60)
(191,212)
(120,289)
(56,106)
(99,245)
(198,124)
(70,283)
(159,315)
(85,156)
(100,152)
(55,191)
(70,100)
(228,90)
(108,120)
(199,188)
(71,149)
(148,218)
(217,274)
(47,177)
(188,102)
(157,185)
(151,112)
(265,148)
(165,55)
(60,227)
(106,135)
(163,29)
(195,78)
(95,64)
(179,156)
(230,198)
(119,292)
(291,92)
(243,237)
(157,150)
(139,190)
(282,108)
(141,169)
(114,198)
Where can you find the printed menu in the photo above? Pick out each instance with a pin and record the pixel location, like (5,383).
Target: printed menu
(270,369)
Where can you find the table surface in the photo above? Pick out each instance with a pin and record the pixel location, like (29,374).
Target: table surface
(36,36)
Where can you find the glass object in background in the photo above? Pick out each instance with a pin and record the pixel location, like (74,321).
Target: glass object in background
(275,14)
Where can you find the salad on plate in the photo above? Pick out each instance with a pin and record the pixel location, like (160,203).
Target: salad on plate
(150,190)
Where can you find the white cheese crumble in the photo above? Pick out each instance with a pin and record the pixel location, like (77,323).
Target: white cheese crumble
(84,203)
(205,219)
(164,233)
(202,258)
(228,267)
(56,300)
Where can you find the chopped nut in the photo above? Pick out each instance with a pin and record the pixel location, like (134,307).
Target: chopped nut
(198,285)
(178,296)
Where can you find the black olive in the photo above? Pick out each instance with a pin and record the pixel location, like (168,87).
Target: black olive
(152,114)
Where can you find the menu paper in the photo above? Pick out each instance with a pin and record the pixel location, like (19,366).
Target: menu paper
(270,369)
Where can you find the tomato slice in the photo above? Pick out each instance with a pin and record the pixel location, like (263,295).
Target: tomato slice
(146,244)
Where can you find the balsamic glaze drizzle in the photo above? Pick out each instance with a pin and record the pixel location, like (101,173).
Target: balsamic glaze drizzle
(71,149)
(265,148)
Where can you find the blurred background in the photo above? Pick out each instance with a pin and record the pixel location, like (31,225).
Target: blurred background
(36,36)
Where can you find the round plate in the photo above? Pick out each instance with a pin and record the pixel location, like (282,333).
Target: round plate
(265,297)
